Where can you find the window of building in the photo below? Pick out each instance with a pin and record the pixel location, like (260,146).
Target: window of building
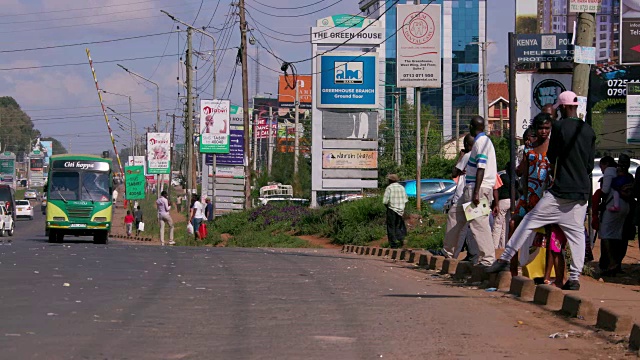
(603,54)
(603,45)
(603,27)
(603,36)
(496,110)
(455,4)
(603,18)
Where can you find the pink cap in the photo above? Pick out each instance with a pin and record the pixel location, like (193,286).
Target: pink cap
(566,98)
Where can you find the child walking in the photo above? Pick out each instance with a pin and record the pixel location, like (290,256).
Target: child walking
(128,222)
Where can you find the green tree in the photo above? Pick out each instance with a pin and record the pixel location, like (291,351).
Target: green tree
(526,24)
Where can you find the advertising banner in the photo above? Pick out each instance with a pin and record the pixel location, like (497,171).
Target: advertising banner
(535,48)
(349,159)
(608,85)
(418,46)
(591,6)
(226,171)
(535,90)
(633,114)
(348,80)
(158,153)
(7,166)
(287,94)
(261,110)
(134,182)
(214,126)
(47,150)
(585,55)
(630,32)
(350,125)
(137,161)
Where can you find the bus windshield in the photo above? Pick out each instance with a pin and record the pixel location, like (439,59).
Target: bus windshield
(85,185)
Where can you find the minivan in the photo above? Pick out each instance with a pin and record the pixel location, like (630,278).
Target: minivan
(7,194)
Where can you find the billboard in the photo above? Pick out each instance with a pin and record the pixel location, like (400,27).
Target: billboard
(261,110)
(348,80)
(158,153)
(350,125)
(418,46)
(134,182)
(235,156)
(349,159)
(214,126)
(371,35)
(633,113)
(535,90)
(592,6)
(287,94)
(630,32)
(46,147)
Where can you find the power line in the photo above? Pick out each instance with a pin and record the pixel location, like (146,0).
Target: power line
(77,9)
(85,43)
(84,63)
(295,15)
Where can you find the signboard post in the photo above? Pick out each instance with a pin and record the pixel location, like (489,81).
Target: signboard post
(134,182)
(633,113)
(8,169)
(214,126)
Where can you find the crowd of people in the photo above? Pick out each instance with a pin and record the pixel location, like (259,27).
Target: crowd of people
(553,178)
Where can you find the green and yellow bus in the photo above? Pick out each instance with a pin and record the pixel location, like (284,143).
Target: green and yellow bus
(79,200)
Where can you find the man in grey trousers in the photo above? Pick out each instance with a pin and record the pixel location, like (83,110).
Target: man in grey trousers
(571,153)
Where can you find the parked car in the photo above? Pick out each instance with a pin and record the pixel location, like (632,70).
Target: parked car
(7,195)
(438,200)
(596,175)
(31,194)
(24,209)
(7,224)
(427,186)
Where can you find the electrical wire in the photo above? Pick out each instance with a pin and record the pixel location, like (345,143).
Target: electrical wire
(288,8)
(83,63)
(296,15)
(77,9)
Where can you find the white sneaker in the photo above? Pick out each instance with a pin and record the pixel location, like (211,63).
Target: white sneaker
(172,242)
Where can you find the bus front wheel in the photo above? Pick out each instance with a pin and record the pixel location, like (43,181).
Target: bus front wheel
(55,236)
(100,237)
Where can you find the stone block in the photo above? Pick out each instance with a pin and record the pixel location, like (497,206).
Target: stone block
(522,287)
(380,251)
(575,306)
(449,266)
(424,259)
(402,254)
(367,250)
(634,338)
(548,295)
(478,274)
(501,280)
(463,269)
(374,251)
(611,320)
(411,257)
(436,262)
(362,249)
(394,254)
(344,248)
(387,252)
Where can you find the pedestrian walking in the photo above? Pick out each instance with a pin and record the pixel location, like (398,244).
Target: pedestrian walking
(197,215)
(128,222)
(208,212)
(481,173)
(502,210)
(395,199)
(453,245)
(114,195)
(571,153)
(164,217)
(137,214)
(179,203)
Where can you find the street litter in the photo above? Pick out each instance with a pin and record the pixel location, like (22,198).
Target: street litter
(66,284)
(559,335)
(491,289)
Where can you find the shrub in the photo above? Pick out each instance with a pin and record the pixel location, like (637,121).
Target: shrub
(267,239)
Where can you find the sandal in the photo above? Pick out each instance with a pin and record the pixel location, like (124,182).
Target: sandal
(548,282)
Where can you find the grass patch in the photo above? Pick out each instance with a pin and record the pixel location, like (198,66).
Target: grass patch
(267,239)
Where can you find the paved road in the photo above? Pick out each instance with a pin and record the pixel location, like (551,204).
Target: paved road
(148,302)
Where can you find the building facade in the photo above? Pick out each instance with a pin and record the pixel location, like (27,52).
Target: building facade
(463,30)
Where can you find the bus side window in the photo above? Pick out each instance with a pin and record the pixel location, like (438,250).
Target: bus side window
(44,188)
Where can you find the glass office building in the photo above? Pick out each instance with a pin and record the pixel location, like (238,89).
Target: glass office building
(463,28)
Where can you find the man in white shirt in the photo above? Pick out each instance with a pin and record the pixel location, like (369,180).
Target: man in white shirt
(164,206)
(197,216)
(481,173)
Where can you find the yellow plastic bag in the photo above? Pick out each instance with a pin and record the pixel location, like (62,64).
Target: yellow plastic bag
(535,269)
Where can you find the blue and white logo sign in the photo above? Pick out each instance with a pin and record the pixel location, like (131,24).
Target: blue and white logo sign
(347,80)
(349,72)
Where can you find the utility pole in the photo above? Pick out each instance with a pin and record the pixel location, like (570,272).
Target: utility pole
(296,143)
(173,159)
(485,81)
(501,120)
(457,132)
(397,155)
(512,117)
(418,142)
(245,102)
(189,119)
(584,37)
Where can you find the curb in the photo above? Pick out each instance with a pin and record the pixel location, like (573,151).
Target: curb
(549,297)
(136,238)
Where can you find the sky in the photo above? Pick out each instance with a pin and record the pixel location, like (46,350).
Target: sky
(63,102)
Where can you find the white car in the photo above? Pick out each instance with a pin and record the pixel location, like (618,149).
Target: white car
(24,209)
(597,173)
(6,222)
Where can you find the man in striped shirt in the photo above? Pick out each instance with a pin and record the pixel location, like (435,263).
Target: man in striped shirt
(481,173)
(395,198)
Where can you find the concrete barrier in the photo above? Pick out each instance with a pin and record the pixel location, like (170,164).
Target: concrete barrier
(522,287)
(449,266)
(424,259)
(344,247)
(575,306)
(611,320)
(478,274)
(374,251)
(549,296)
(361,250)
(463,270)
(367,250)
(436,262)
(402,254)
(634,338)
(380,251)
(386,252)
(411,257)
(501,280)
(394,254)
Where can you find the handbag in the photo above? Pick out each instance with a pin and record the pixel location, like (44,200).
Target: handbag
(141,226)
(190,228)
(202,230)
